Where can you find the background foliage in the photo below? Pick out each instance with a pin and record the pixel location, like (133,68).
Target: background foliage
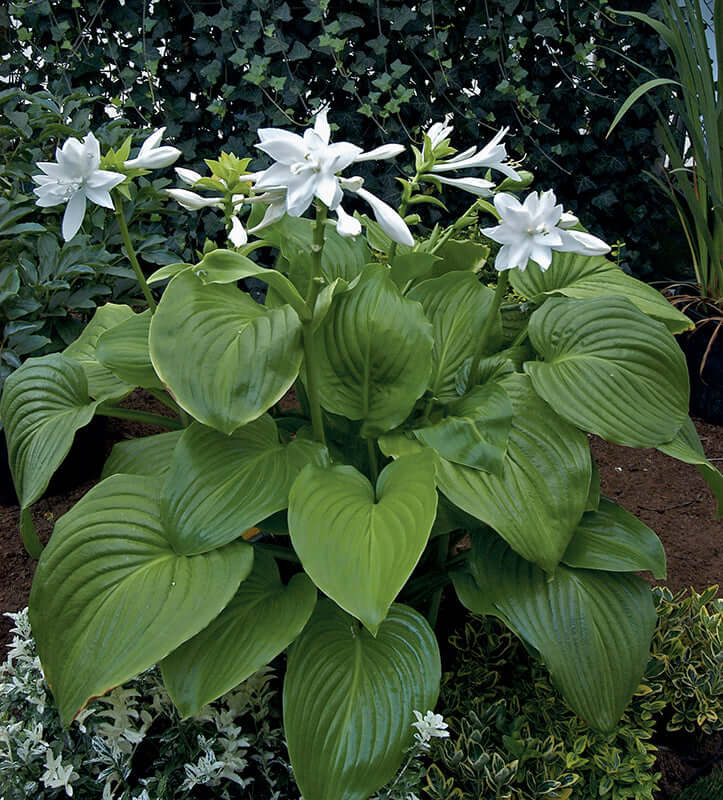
(214,72)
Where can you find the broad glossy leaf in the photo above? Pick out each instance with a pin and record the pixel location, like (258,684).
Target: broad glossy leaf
(476,431)
(614,540)
(592,628)
(111,597)
(226,266)
(226,358)
(124,351)
(44,403)
(538,501)
(349,698)
(357,545)
(374,353)
(149,455)
(460,255)
(102,383)
(586,277)
(407,267)
(457,305)
(219,486)
(686,446)
(261,621)
(610,370)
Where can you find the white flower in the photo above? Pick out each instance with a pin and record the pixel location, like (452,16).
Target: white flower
(57,776)
(439,131)
(237,235)
(189,176)
(308,166)
(73,179)
(192,201)
(151,156)
(533,229)
(492,156)
(478,186)
(428,726)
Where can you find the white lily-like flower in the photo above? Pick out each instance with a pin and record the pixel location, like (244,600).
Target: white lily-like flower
(74,179)
(276,198)
(439,131)
(151,155)
(429,726)
(189,176)
(492,156)
(308,166)
(478,186)
(237,235)
(533,229)
(192,201)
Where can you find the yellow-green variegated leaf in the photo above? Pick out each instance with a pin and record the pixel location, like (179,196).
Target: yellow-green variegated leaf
(612,539)
(349,698)
(358,545)
(149,455)
(592,628)
(457,305)
(102,383)
(537,501)
(589,277)
(124,351)
(374,353)
(609,370)
(111,597)
(686,447)
(219,486)
(225,358)
(44,403)
(261,621)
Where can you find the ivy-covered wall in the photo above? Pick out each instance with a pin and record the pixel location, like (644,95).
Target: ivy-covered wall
(555,71)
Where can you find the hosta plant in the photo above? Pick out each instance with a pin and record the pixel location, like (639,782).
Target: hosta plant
(429,409)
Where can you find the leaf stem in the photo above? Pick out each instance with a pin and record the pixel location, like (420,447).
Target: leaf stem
(441,550)
(500,291)
(373,465)
(278,552)
(140,416)
(131,253)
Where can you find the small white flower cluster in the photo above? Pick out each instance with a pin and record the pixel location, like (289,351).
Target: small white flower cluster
(428,727)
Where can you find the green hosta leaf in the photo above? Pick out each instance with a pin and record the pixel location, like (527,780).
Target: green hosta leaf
(586,277)
(593,629)
(593,497)
(686,446)
(409,266)
(538,500)
(374,351)
(457,305)
(476,432)
(357,545)
(219,486)
(614,540)
(149,455)
(44,403)
(111,597)
(610,370)
(460,255)
(261,621)
(102,383)
(349,698)
(225,266)
(226,358)
(124,351)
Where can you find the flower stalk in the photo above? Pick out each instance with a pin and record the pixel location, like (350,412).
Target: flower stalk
(128,244)
(500,292)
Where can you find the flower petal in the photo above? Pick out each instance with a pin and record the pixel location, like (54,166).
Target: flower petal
(383,152)
(277,176)
(73,217)
(321,125)
(274,213)
(583,243)
(478,186)
(346,225)
(326,190)
(104,179)
(237,235)
(189,176)
(101,197)
(391,223)
(192,201)
(285,151)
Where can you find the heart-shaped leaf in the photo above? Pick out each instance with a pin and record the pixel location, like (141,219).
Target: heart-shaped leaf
(124,351)
(686,447)
(614,540)
(102,383)
(44,403)
(226,358)
(149,455)
(358,546)
(538,500)
(610,370)
(457,305)
(476,432)
(349,698)
(219,486)
(593,629)
(587,277)
(460,254)
(111,597)
(261,621)
(374,351)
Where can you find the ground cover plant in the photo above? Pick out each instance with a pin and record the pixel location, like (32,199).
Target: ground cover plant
(430,409)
